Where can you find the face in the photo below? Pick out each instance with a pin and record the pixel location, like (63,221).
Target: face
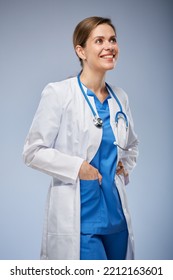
(101,50)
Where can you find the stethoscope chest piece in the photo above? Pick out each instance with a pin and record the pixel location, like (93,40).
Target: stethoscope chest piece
(98,122)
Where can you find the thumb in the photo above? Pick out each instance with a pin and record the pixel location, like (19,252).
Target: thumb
(99,178)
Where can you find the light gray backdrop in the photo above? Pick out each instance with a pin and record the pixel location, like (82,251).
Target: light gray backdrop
(36,48)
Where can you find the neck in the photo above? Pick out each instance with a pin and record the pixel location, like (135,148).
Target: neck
(94,81)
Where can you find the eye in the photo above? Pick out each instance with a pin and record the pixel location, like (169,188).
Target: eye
(113,40)
(99,41)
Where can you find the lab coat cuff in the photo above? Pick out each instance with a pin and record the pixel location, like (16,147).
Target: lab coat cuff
(77,166)
(126,179)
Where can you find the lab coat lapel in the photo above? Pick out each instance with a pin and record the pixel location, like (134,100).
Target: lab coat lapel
(93,134)
(113,108)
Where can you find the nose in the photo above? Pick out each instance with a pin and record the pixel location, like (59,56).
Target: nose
(108,46)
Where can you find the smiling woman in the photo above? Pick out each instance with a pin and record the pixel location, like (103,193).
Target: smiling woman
(95,31)
(101,50)
(95,43)
(87,213)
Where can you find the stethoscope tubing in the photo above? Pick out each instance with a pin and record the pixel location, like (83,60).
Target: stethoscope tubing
(118,114)
(84,94)
(97,120)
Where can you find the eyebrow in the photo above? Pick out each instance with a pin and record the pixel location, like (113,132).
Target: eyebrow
(102,37)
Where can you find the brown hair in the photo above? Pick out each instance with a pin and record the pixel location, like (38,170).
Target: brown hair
(85,27)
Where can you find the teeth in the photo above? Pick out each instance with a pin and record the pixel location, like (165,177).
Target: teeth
(108,56)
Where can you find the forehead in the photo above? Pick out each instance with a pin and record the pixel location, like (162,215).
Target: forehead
(102,30)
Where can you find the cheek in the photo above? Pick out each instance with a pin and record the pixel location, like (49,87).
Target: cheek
(117,49)
(93,54)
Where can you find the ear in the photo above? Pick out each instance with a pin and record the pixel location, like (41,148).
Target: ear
(80,52)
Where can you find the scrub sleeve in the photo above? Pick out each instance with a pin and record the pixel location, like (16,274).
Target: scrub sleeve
(102,217)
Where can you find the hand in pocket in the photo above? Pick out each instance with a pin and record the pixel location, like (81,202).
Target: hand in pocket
(88,172)
(121,170)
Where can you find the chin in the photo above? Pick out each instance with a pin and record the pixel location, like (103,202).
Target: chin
(109,67)
(106,67)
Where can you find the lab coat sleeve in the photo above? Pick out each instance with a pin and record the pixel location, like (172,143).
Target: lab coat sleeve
(129,158)
(38,151)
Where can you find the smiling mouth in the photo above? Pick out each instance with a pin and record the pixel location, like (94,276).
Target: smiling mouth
(108,56)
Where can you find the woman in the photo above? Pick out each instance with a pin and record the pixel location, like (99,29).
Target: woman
(86,215)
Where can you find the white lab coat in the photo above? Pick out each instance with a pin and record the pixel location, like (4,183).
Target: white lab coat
(61,137)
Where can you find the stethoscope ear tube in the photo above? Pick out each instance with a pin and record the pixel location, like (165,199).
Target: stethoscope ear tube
(121,114)
(124,149)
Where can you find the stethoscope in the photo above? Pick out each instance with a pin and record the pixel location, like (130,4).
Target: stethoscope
(98,122)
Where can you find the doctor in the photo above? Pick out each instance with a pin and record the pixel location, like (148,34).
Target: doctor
(82,135)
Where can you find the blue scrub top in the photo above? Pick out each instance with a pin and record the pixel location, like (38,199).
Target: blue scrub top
(101,210)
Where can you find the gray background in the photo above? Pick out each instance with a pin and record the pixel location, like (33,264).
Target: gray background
(36,48)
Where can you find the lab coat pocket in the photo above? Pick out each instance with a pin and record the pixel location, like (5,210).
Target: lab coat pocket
(90,192)
(61,210)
